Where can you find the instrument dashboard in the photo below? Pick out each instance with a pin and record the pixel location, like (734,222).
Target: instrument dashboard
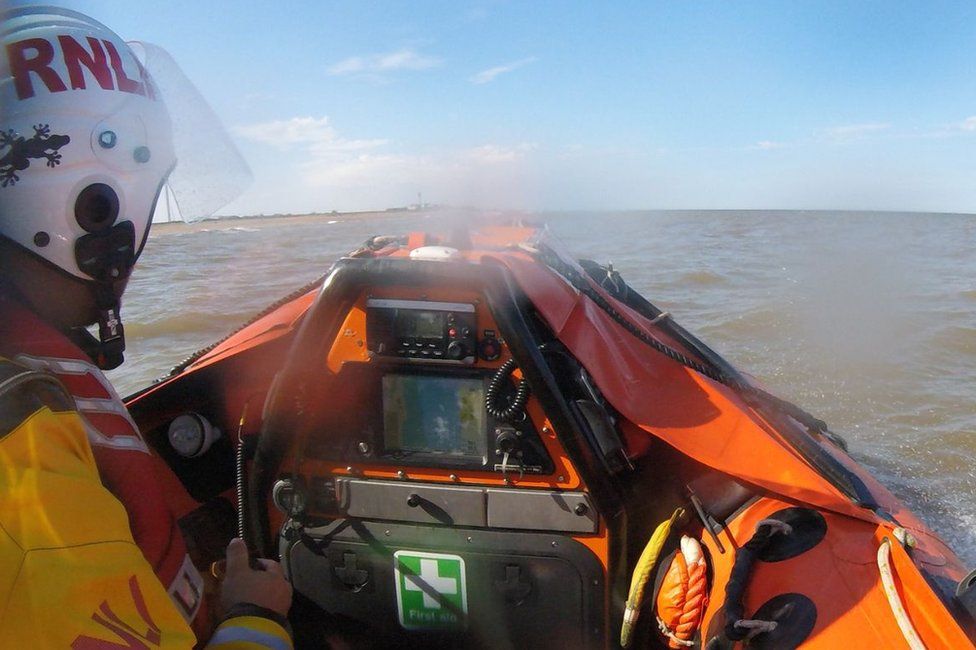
(405,394)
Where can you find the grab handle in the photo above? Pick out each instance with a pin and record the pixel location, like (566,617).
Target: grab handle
(737,627)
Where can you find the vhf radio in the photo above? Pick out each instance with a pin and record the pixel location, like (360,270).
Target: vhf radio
(421,330)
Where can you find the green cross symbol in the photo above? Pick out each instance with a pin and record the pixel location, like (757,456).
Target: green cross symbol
(431,590)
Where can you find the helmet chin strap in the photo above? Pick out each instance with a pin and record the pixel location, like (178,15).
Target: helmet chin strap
(106,351)
(108,257)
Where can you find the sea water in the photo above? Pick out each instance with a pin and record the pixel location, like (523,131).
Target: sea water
(867,320)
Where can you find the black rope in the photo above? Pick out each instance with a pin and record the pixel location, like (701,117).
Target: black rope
(581,283)
(842,478)
(748,391)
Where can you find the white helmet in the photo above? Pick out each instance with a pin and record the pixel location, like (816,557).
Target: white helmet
(85,143)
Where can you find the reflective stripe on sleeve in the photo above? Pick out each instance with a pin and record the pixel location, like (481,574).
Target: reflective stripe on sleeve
(249,632)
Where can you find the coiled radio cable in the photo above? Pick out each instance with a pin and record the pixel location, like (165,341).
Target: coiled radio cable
(515,409)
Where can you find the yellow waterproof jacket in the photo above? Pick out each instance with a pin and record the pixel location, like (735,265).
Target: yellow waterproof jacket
(70,574)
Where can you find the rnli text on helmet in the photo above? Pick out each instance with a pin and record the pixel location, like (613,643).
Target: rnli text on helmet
(35,55)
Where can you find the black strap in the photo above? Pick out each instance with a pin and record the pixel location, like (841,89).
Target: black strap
(250,609)
(735,588)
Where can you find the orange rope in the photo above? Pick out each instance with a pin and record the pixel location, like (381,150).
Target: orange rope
(683,596)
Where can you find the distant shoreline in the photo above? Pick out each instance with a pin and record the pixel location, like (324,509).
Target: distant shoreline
(262,221)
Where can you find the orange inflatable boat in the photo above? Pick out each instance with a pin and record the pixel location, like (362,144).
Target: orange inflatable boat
(476,440)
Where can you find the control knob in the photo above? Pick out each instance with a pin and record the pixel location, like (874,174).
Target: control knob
(490,348)
(455,350)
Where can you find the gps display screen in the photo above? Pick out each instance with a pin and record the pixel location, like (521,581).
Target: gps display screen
(434,415)
(421,324)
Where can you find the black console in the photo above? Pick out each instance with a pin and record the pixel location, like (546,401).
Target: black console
(422,330)
(427,416)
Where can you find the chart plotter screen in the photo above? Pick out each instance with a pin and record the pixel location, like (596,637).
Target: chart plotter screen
(434,415)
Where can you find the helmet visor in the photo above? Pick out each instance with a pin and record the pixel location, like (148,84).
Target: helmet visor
(210,172)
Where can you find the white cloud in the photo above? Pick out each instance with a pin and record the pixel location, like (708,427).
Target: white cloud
(491,153)
(348,66)
(287,132)
(490,74)
(311,164)
(963,128)
(854,131)
(403,59)
(311,133)
(363,170)
(305,163)
(368,169)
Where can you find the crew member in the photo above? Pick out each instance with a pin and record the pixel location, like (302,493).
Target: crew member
(90,553)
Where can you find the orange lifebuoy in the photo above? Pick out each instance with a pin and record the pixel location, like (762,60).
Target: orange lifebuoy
(683,595)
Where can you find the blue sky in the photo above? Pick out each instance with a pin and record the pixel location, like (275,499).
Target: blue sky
(562,105)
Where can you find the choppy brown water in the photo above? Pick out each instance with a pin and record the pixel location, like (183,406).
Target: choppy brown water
(866,319)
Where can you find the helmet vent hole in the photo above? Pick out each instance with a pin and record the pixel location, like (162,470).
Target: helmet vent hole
(107,139)
(41,239)
(97,207)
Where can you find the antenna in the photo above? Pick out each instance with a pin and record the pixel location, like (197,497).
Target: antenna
(169,208)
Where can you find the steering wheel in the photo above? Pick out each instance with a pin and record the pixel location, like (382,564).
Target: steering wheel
(285,406)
